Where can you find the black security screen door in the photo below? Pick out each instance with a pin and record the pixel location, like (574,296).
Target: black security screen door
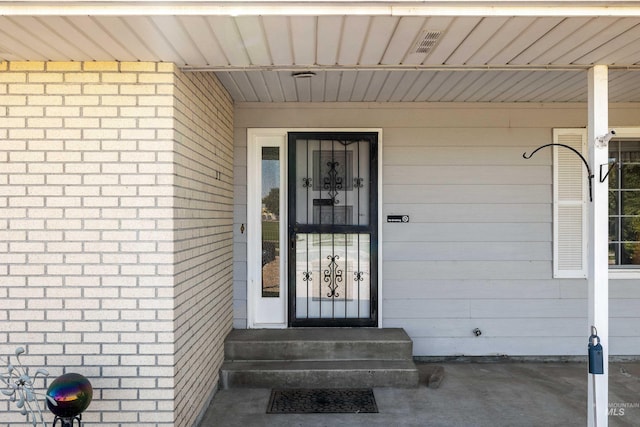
(333,229)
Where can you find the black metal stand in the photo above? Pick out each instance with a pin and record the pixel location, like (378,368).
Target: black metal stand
(68,421)
(604,177)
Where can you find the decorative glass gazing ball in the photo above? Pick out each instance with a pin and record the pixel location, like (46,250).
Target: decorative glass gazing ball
(72,392)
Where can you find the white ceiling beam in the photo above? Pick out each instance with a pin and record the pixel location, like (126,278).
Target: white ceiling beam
(317,8)
(400,67)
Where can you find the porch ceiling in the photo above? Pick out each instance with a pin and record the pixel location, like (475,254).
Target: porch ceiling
(426,51)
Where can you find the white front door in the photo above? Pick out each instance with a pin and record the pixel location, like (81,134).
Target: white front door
(312,228)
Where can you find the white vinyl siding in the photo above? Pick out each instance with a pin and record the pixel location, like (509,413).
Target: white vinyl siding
(570,197)
(478,249)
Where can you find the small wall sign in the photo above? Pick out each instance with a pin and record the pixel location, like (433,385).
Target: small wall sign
(397,218)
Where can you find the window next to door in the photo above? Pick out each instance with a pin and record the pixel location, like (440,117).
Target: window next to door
(270,215)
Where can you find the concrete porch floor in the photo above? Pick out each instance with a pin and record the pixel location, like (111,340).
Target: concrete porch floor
(472,394)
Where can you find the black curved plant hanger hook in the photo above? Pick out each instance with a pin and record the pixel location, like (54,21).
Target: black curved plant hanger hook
(589,173)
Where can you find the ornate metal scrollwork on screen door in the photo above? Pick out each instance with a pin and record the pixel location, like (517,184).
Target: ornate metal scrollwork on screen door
(333,276)
(332,183)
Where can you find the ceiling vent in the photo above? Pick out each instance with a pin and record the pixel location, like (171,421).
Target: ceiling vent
(426,41)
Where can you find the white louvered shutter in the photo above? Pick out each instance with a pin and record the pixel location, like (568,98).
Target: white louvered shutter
(570,198)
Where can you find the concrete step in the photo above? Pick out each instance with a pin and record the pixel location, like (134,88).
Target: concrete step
(320,374)
(318,344)
(319,358)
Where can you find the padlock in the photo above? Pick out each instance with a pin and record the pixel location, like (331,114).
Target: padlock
(596,359)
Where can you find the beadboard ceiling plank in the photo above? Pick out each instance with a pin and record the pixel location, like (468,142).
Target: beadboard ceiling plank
(329,35)
(482,34)
(254,40)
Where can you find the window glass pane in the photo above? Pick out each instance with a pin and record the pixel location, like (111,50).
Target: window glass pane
(630,203)
(613,229)
(624,204)
(332,182)
(630,176)
(270,222)
(630,253)
(613,175)
(613,202)
(613,256)
(629,151)
(631,229)
(333,277)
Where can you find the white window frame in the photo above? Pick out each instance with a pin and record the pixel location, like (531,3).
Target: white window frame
(628,272)
(577,138)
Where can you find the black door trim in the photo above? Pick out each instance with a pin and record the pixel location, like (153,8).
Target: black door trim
(371,229)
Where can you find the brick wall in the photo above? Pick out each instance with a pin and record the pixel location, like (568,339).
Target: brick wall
(203,239)
(99,206)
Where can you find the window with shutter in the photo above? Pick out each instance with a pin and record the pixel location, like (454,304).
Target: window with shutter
(570,198)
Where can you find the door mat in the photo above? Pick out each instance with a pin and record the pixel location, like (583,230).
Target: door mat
(322,400)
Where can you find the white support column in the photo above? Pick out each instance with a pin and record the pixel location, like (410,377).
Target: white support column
(598,272)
